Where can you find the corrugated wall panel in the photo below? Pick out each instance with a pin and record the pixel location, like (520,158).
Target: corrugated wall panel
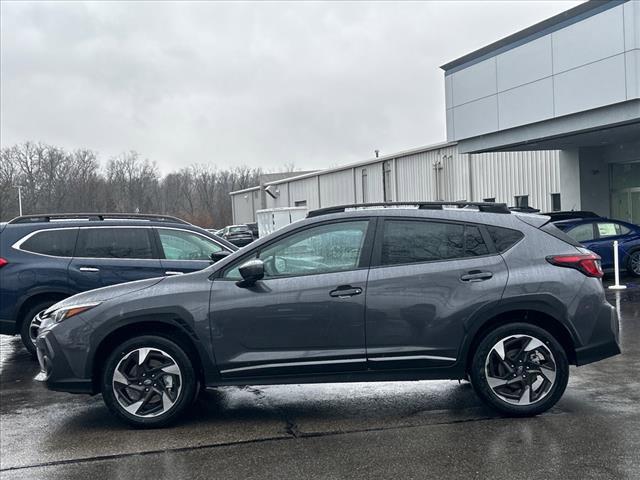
(504,175)
(243,208)
(305,189)
(375,192)
(282,200)
(336,188)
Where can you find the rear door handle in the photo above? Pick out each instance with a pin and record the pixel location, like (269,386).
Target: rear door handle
(345,291)
(171,272)
(89,269)
(476,276)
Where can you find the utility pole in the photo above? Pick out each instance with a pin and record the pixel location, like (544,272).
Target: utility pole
(19,187)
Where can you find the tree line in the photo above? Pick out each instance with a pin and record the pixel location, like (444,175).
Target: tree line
(55,180)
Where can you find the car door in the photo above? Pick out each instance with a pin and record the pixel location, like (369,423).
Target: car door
(184,251)
(606,232)
(108,255)
(426,279)
(306,315)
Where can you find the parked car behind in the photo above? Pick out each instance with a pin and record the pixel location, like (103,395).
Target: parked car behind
(376,294)
(46,258)
(598,234)
(239,235)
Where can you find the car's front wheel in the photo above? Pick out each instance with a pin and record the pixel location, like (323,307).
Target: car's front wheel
(519,370)
(633,264)
(148,381)
(31,324)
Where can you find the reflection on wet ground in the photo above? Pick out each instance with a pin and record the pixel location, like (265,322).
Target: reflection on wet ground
(376,430)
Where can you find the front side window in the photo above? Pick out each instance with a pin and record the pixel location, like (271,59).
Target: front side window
(323,249)
(183,245)
(610,229)
(409,241)
(115,243)
(582,233)
(58,243)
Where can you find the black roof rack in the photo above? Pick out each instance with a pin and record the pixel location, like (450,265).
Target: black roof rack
(96,217)
(488,207)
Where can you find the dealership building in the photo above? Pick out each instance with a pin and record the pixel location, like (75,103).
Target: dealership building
(548,117)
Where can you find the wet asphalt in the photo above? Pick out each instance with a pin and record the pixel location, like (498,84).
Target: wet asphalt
(398,430)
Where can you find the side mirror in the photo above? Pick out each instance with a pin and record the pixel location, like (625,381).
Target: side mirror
(215,256)
(251,272)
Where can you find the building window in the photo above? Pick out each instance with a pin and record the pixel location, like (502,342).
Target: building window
(489,200)
(300,203)
(365,196)
(522,201)
(386,181)
(555,202)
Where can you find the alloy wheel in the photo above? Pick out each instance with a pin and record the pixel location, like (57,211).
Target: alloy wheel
(520,370)
(635,262)
(34,326)
(147,382)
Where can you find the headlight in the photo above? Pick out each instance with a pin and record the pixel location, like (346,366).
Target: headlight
(63,313)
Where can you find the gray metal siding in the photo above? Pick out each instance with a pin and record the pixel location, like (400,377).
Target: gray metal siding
(243,211)
(336,188)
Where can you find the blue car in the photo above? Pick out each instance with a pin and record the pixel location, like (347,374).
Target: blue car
(598,234)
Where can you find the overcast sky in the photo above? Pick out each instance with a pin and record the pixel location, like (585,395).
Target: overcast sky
(261,84)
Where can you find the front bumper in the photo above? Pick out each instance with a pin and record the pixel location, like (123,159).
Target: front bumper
(55,370)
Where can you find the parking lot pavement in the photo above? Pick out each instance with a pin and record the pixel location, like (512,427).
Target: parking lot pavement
(377,430)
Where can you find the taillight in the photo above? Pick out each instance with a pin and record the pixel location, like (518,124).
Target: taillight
(3,262)
(587,263)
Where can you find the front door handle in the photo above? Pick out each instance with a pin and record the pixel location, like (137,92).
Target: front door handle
(476,276)
(172,272)
(345,291)
(89,269)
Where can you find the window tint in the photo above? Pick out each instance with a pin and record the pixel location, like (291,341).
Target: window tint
(504,238)
(183,245)
(114,243)
(59,243)
(473,242)
(407,241)
(582,233)
(322,249)
(610,229)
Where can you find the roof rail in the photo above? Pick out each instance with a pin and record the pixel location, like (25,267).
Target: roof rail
(96,217)
(488,207)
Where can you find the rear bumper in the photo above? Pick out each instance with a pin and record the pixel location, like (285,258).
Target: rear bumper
(7,327)
(55,370)
(605,339)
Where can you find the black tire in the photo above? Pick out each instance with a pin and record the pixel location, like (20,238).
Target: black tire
(25,324)
(187,382)
(548,395)
(633,257)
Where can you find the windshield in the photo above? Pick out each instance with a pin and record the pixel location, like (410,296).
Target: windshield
(239,229)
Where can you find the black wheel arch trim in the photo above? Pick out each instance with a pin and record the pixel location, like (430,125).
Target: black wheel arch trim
(176,317)
(539,303)
(36,291)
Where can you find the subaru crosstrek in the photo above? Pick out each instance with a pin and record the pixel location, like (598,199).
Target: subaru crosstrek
(46,258)
(349,294)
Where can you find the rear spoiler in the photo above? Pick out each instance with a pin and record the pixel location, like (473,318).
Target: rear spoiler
(534,220)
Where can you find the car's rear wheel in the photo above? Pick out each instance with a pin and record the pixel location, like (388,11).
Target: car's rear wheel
(31,324)
(148,381)
(633,264)
(519,370)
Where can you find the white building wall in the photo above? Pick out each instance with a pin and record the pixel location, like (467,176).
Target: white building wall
(336,188)
(304,189)
(243,206)
(375,191)
(504,175)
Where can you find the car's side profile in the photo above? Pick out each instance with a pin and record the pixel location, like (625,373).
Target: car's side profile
(44,259)
(373,294)
(598,234)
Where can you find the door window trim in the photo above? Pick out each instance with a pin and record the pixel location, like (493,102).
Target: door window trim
(365,254)
(376,260)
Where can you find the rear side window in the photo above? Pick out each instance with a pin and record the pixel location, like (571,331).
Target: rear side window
(504,238)
(582,233)
(407,241)
(115,243)
(59,243)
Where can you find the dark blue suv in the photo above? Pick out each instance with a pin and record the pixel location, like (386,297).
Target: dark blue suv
(46,258)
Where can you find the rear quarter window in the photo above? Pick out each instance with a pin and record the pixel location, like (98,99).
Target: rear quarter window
(58,243)
(504,238)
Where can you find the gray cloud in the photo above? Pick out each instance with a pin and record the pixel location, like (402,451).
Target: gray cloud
(262,84)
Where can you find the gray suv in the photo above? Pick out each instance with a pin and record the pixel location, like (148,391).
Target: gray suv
(355,293)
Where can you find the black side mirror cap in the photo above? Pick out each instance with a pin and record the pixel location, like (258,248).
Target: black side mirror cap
(215,256)
(251,272)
